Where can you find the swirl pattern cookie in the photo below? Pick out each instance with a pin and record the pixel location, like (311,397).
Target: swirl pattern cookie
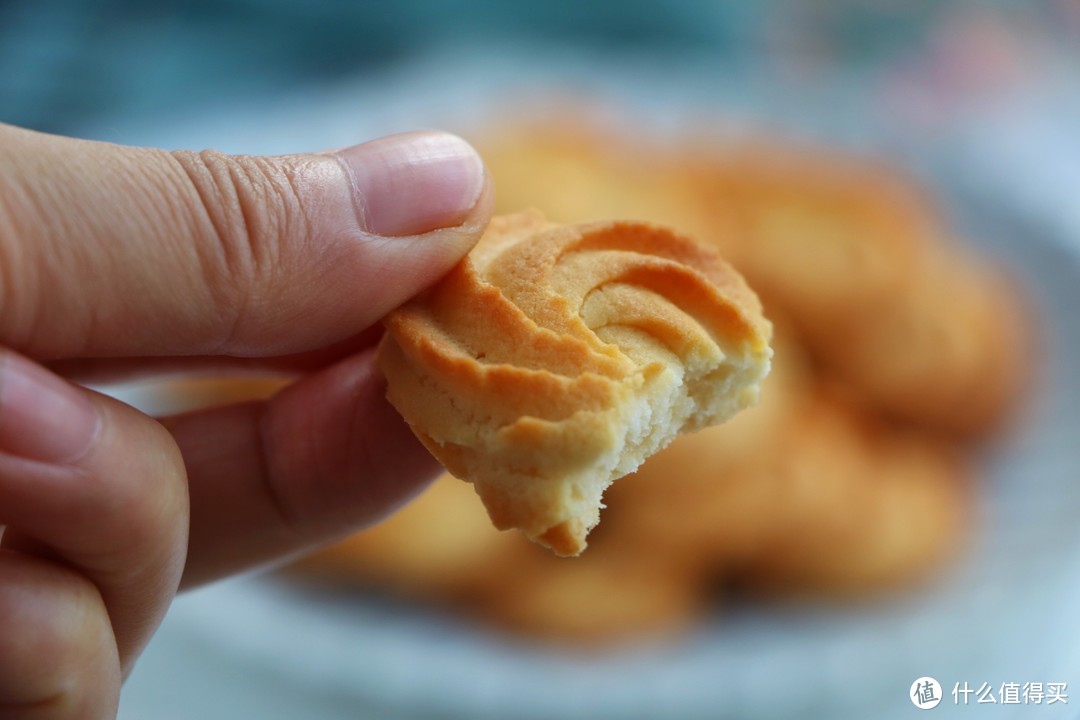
(555,359)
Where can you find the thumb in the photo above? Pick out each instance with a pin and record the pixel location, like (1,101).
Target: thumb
(112,251)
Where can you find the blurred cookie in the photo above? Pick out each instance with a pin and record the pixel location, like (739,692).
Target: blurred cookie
(607,596)
(435,548)
(821,235)
(197,392)
(860,506)
(574,171)
(442,549)
(951,353)
(855,255)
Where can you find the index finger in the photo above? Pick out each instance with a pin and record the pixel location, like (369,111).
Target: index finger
(322,458)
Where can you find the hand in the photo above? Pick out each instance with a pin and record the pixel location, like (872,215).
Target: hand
(117,260)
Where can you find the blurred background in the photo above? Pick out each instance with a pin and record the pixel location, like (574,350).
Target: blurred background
(899,180)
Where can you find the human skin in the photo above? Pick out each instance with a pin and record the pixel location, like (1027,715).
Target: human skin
(118,261)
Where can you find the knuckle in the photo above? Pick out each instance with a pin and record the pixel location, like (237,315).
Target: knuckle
(248,206)
(24,242)
(128,523)
(150,498)
(132,499)
(16,320)
(55,634)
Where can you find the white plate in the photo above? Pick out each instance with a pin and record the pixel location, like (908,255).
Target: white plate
(1005,612)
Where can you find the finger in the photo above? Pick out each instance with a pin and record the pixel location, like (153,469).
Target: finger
(112,251)
(323,457)
(57,649)
(93,483)
(111,370)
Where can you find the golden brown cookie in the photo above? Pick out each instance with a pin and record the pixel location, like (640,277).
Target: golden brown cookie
(442,549)
(856,255)
(555,359)
(859,506)
(172,395)
(581,172)
(436,548)
(607,596)
(819,234)
(950,353)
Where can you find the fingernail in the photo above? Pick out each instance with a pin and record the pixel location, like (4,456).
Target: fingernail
(42,417)
(414,183)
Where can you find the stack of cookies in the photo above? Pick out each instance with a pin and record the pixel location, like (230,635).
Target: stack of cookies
(898,351)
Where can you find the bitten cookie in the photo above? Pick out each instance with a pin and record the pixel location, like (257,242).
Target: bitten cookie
(555,359)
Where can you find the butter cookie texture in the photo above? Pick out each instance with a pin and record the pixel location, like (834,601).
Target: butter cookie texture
(555,359)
